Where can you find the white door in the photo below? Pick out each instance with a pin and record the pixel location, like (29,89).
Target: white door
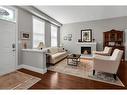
(7,47)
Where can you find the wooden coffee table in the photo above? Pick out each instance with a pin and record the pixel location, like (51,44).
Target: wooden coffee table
(75,59)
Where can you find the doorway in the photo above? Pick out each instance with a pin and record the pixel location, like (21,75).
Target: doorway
(7,47)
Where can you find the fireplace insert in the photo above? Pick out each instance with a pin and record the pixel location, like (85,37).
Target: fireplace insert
(85,50)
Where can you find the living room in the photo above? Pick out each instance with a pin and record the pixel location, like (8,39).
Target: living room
(50,43)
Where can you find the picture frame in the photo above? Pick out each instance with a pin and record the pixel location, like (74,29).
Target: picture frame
(69,36)
(69,39)
(86,35)
(25,36)
(65,37)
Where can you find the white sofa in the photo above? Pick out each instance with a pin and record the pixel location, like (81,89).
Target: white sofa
(55,54)
(108,64)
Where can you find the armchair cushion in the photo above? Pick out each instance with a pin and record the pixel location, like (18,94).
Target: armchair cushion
(117,54)
(100,57)
(107,51)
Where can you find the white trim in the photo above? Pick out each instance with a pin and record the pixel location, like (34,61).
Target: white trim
(34,11)
(42,71)
(16,38)
(86,43)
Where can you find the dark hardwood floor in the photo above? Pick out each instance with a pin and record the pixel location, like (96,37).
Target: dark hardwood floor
(54,80)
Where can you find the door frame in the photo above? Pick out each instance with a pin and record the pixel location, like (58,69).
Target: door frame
(16,44)
(16,38)
(16,34)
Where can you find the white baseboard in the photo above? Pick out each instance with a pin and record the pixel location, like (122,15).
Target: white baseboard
(42,71)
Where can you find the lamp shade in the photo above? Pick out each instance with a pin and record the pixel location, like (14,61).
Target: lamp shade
(41,45)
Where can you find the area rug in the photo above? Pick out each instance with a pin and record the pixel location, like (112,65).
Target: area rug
(85,70)
(17,80)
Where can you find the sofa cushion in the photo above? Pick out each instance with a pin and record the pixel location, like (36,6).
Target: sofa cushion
(60,49)
(53,50)
(58,54)
(57,57)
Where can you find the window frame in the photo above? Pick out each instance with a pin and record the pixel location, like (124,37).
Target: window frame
(39,34)
(56,35)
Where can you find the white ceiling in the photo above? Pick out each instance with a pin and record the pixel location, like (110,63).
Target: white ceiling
(71,14)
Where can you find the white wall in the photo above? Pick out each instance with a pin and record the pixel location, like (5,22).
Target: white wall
(97,26)
(24,25)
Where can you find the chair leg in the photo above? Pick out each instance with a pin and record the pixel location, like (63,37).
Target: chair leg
(114,75)
(93,72)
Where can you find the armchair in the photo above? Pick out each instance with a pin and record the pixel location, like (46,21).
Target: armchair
(108,64)
(107,51)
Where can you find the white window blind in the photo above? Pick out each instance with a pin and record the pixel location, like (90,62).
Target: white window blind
(53,36)
(38,32)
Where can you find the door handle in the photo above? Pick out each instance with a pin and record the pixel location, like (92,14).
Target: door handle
(13,46)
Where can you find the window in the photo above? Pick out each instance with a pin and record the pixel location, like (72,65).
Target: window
(38,32)
(7,13)
(53,35)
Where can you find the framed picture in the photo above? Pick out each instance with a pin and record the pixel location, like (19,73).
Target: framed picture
(69,37)
(65,37)
(86,35)
(25,35)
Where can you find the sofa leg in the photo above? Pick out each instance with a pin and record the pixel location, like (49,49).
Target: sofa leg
(93,72)
(114,75)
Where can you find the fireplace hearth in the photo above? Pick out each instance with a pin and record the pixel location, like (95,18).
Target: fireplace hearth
(85,50)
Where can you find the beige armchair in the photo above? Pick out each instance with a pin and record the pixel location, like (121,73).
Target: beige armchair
(107,51)
(108,64)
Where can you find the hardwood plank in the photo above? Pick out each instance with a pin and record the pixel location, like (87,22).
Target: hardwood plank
(54,80)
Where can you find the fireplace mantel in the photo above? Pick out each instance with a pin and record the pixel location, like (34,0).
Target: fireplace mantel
(85,43)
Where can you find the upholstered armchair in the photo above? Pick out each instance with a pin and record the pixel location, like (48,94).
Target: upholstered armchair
(108,64)
(107,51)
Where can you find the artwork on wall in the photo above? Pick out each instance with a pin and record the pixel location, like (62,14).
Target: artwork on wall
(65,37)
(86,35)
(25,36)
(69,37)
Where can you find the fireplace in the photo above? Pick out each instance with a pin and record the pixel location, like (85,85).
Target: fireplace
(85,50)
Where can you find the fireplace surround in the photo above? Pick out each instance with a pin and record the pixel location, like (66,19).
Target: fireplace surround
(91,46)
